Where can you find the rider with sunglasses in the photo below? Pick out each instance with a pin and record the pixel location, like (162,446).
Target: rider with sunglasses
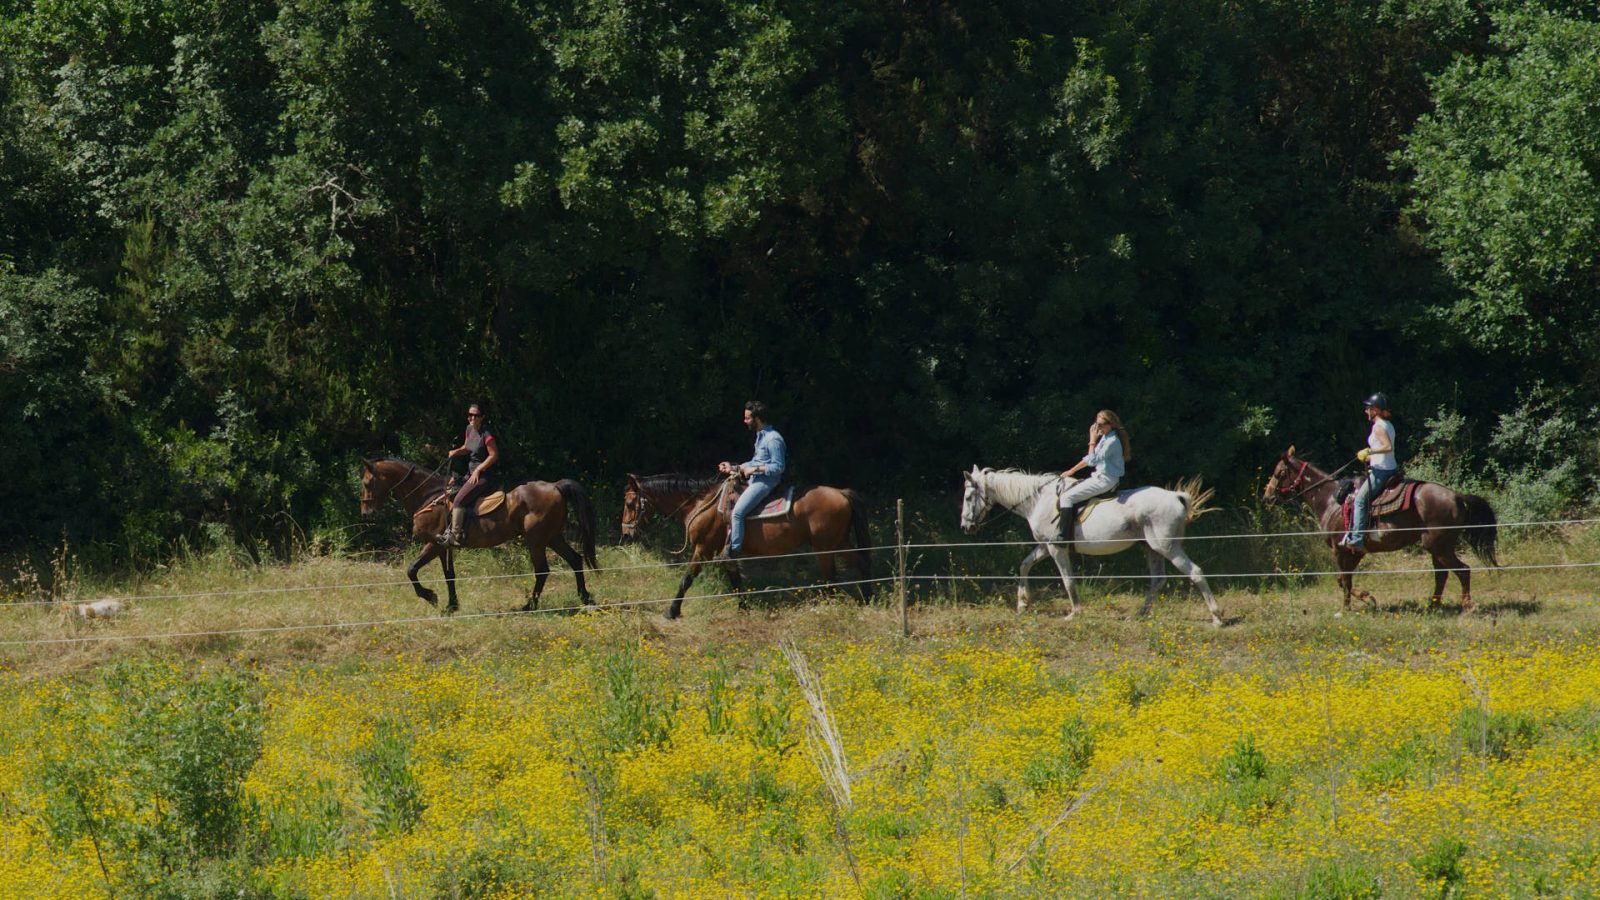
(482,454)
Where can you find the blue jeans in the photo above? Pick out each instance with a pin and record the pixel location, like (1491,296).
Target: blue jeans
(1369,488)
(749,501)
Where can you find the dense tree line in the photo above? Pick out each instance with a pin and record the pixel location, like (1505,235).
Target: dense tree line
(243,242)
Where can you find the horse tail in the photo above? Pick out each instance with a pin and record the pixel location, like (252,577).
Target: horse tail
(578,501)
(1481,526)
(858,526)
(1196,500)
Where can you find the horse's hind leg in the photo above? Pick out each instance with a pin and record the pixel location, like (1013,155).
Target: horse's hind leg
(1158,577)
(1445,562)
(575,563)
(541,571)
(1188,567)
(428,553)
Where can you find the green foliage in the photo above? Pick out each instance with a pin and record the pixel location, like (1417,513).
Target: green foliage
(241,243)
(393,797)
(638,710)
(156,783)
(1061,767)
(1333,881)
(1441,863)
(1252,787)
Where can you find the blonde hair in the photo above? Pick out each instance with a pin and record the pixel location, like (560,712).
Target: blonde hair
(1117,426)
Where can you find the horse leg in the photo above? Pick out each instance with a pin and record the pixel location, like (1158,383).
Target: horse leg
(575,563)
(1157,565)
(448,561)
(1445,562)
(1346,563)
(1188,567)
(541,571)
(689,572)
(1024,593)
(1063,561)
(429,551)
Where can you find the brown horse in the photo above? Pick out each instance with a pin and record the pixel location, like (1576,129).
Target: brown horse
(535,511)
(1438,519)
(829,519)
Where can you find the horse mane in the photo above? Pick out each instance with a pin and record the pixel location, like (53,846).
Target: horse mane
(678,482)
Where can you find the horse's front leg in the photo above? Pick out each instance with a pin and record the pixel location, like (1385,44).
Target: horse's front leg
(1024,593)
(689,572)
(429,551)
(447,561)
(1063,561)
(1346,563)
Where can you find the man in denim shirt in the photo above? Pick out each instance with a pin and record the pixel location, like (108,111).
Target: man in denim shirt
(764,470)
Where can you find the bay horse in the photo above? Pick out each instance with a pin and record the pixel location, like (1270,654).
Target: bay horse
(830,519)
(1154,516)
(1438,519)
(535,511)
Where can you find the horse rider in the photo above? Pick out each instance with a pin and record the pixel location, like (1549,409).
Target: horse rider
(483,452)
(764,470)
(1109,452)
(1382,466)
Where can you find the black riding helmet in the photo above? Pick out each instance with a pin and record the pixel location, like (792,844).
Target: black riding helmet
(1380,400)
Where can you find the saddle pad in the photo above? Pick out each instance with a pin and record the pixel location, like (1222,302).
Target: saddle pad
(1393,499)
(776,507)
(491,503)
(1083,510)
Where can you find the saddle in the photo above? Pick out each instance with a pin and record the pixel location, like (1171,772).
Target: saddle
(488,503)
(779,502)
(1397,496)
(1083,506)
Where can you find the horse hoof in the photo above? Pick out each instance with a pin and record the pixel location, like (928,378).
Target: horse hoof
(530,606)
(1022,606)
(1069,616)
(670,615)
(1216,622)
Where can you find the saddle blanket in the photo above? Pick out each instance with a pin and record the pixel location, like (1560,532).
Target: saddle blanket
(1394,498)
(486,504)
(776,506)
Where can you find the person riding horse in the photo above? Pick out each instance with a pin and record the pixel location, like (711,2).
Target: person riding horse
(483,452)
(1382,466)
(1109,452)
(764,470)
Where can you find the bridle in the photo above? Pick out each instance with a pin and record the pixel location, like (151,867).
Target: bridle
(1286,490)
(368,497)
(1014,510)
(643,509)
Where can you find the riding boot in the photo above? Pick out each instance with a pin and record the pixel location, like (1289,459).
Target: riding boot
(455,535)
(1069,526)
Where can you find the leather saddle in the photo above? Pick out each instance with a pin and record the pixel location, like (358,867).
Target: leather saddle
(778,504)
(1396,496)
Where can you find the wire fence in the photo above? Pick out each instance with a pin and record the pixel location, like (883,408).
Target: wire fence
(902,577)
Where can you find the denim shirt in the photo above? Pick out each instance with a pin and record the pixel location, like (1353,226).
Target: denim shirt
(770,452)
(1106,457)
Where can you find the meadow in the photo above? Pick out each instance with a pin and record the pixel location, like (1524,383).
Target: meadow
(801,746)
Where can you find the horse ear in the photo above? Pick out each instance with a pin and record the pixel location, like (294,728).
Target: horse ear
(633,480)
(366,464)
(1289,452)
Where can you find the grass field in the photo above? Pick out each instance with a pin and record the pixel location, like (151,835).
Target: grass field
(1402,752)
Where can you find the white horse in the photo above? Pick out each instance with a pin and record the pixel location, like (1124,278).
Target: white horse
(1153,515)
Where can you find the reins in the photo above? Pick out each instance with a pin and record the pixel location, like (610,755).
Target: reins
(1283,490)
(1014,510)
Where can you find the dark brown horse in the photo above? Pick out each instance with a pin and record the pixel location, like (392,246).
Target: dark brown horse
(829,519)
(536,512)
(1439,519)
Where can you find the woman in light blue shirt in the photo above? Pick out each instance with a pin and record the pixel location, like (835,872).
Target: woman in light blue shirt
(1109,452)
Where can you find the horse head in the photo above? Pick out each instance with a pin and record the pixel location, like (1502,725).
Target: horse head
(373,488)
(1285,477)
(634,507)
(975,500)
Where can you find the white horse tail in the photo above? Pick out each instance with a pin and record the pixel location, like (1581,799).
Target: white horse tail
(1196,499)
